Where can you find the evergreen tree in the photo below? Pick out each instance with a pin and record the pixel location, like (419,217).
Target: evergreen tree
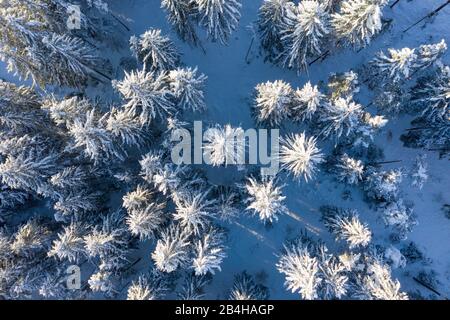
(209,252)
(394,67)
(31,238)
(273,102)
(35,44)
(188,88)
(224,146)
(70,244)
(147,95)
(307,101)
(151,286)
(383,186)
(419,172)
(303,34)
(245,288)
(97,143)
(193,287)
(400,217)
(179,13)
(358,21)
(155,51)
(431,95)
(301,271)
(109,241)
(126,127)
(193,210)
(342,85)
(341,117)
(272,17)
(265,199)
(347,226)
(28,171)
(219,17)
(334,284)
(300,156)
(145,214)
(171,250)
(350,170)
(377,284)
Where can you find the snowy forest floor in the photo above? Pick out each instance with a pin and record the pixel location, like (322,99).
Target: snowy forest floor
(230,86)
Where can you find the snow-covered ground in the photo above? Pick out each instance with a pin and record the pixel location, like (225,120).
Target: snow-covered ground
(230,88)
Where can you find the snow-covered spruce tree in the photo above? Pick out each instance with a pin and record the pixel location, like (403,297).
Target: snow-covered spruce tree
(126,127)
(272,17)
(209,252)
(306,102)
(219,17)
(245,288)
(103,281)
(431,95)
(31,238)
(193,210)
(383,186)
(300,156)
(193,287)
(90,135)
(391,99)
(188,88)
(155,51)
(341,117)
(151,286)
(349,170)
(172,249)
(273,102)
(168,179)
(70,61)
(72,177)
(342,85)
(396,66)
(179,14)
(109,241)
(346,226)
(151,163)
(301,271)
(64,112)
(20,109)
(70,244)
(428,54)
(52,285)
(399,217)
(366,131)
(377,283)
(35,48)
(265,199)
(303,34)
(224,145)
(148,95)
(14,144)
(419,172)
(145,213)
(228,200)
(358,21)
(75,204)
(349,260)
(28,171)
(433,135)
(334,284)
